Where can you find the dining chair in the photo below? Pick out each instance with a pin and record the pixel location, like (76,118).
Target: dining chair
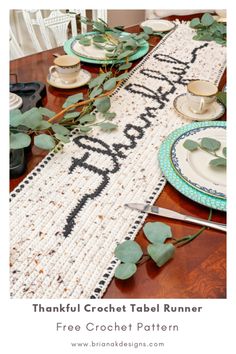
(15,49)
(47,29)
(52,30)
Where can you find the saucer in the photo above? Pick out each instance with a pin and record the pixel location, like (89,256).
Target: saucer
(215,111)
(158,25)
(15,101)
(82,79)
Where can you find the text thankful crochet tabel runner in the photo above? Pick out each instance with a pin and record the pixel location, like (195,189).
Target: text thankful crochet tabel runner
(68,215)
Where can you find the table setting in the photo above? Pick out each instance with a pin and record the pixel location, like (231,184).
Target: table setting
(155,145)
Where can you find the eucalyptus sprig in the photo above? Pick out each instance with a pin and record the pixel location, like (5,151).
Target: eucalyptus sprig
(130,253)
(211,146)
(46,128)
(117,45)
(208,29)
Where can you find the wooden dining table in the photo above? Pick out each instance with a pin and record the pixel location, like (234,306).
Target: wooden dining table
(198,269)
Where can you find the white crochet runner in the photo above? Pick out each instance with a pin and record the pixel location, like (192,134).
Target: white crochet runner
(68,215)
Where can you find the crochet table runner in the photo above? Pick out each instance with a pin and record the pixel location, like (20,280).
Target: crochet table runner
(68,215)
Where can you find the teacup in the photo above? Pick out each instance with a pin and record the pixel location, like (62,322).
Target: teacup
(67,68)
(200,95)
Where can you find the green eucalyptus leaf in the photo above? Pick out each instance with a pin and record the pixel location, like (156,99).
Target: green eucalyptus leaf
(84,129)
(219,161)
(207,19)
(195,22)
(111,55)
(98,25)
(190,145)
(59,129)
(125,54)
(107,126)
(32,118)
(15,117)
(130,43)
(103,104)
(129,47)
(85,41)
(125,66)
(206,37)
(97,81)
(161,253)
(222,97)
(95,92)
(129,252)
(221,27)
(220,41)
(142,36)
(224,151)
(109,84)
(125,38)
(87,118)
(157,232)
(46,112)
(63,138)
(99,39)
(109,115)
(101,20)
(125,271)
(122,76)
(147,30)
(44,124)
(71,115)
(84,19)
(197,37)
(99,46)
(44,141)
(217,28)
(79,36)
(210,144)
(19,140)
(73,99)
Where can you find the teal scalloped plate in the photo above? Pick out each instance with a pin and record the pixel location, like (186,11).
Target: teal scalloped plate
(139,54)
(175,180)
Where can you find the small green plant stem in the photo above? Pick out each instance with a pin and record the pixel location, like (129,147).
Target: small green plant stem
(144,259)
(111,39)
(82,103)
(209,152)
(184,240)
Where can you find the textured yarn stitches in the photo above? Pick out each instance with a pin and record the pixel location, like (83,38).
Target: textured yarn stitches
(68,215)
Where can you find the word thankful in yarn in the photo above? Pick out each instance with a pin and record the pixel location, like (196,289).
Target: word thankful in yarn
(133,132)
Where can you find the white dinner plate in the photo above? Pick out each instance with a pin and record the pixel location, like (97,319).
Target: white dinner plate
(91,51)
(158,25)
(194,166)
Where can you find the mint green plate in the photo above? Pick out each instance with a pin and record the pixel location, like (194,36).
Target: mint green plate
(138,54)
(175,180)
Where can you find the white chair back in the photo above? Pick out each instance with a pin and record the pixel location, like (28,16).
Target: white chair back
(53,29)
(15,49)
